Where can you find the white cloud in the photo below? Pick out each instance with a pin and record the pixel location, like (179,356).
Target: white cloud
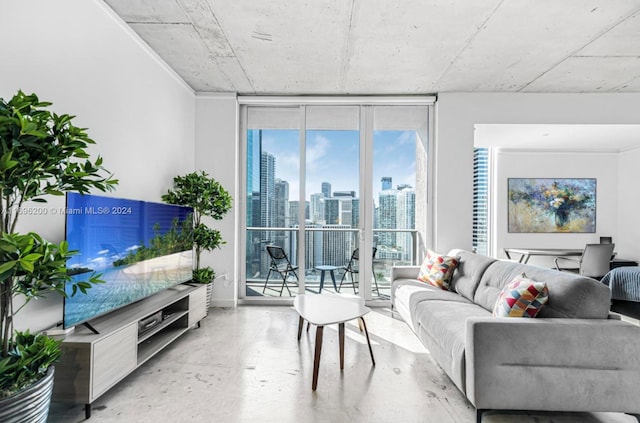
(405,138)
(316,151)
(99,262)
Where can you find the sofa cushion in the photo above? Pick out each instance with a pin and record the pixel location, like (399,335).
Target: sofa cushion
(522,297)
(440,325)
(570,295)
(412,292)
(467,276)
(408,293)
(437,269)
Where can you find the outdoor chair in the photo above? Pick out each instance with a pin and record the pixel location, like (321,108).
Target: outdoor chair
(353,267)
(281,265)
(594,263)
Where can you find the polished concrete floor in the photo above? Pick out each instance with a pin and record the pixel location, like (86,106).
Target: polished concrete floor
(245,365)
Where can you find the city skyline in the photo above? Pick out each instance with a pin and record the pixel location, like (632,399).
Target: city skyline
(333,157)
(333,209)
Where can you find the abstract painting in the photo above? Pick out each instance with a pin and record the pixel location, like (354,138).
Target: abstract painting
(552,205)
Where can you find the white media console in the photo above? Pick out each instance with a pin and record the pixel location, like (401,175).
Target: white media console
(93,363)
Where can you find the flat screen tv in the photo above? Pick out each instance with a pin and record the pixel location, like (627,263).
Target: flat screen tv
(139,248)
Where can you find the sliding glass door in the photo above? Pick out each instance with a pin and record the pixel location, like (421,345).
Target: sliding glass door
(400,169)
(323,184)
(332,190)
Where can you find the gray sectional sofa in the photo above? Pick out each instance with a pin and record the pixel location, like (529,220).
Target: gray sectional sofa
(574,356)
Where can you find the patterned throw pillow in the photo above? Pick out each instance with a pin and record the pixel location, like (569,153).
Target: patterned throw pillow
(437,269)
(522,297)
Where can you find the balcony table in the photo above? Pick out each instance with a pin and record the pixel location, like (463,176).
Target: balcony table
(330,269)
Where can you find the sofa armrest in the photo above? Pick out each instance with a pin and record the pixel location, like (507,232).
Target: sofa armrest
(552,364)
(404,272)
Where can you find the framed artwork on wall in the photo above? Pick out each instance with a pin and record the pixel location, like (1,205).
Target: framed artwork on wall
(551,205)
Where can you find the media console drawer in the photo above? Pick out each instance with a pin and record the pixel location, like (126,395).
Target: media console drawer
(114,357)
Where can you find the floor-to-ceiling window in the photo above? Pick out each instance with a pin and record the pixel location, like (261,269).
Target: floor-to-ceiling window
(400,167)
(332,181)
(326,182)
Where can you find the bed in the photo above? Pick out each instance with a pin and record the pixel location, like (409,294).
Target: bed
(624,283)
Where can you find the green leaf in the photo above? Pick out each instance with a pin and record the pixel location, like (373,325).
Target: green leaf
(5,267)
(32,257)
(26,265)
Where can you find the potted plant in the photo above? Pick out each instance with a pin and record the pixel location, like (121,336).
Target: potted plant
(41,154)
(208,198)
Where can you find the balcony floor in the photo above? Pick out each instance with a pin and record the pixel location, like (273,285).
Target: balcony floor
(255,289)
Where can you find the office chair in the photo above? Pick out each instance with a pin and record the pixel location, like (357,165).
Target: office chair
(352,267)
(280,264)
(594,262)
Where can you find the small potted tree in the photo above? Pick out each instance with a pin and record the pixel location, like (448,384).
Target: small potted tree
(208,199)
(41,154)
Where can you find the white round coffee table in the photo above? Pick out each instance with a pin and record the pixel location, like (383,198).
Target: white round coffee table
(322,310)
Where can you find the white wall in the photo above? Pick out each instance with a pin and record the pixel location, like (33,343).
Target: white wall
(513,164)
(456,115)
(78,55)
(217,154)
(628,240)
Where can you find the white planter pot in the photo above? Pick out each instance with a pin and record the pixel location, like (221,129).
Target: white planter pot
(209,295)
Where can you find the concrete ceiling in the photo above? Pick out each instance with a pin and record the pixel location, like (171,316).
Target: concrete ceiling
(340,47)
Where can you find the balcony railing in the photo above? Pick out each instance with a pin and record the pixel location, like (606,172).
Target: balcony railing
(324,247)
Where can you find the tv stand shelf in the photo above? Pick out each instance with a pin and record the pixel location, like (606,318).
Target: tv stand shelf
(159,337)
(165,322)
(91,363)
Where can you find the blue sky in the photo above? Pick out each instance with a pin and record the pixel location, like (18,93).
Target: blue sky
(333,156)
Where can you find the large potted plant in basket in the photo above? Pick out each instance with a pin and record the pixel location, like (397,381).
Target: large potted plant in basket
(208,199)
(41,154)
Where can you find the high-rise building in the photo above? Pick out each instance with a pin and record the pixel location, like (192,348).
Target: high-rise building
(267,205)
(339,210)
(326,189)
(294,213)
(267,189)
(317,208)
(351,194)
(294,207)
(405,219)
(281,203)
(254,142)
(281,217)
(346,211)
(387,216)
(396,210)
(313,246)
(336,245)
(480,200)
(332,211)
(254,244)
(355,212)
